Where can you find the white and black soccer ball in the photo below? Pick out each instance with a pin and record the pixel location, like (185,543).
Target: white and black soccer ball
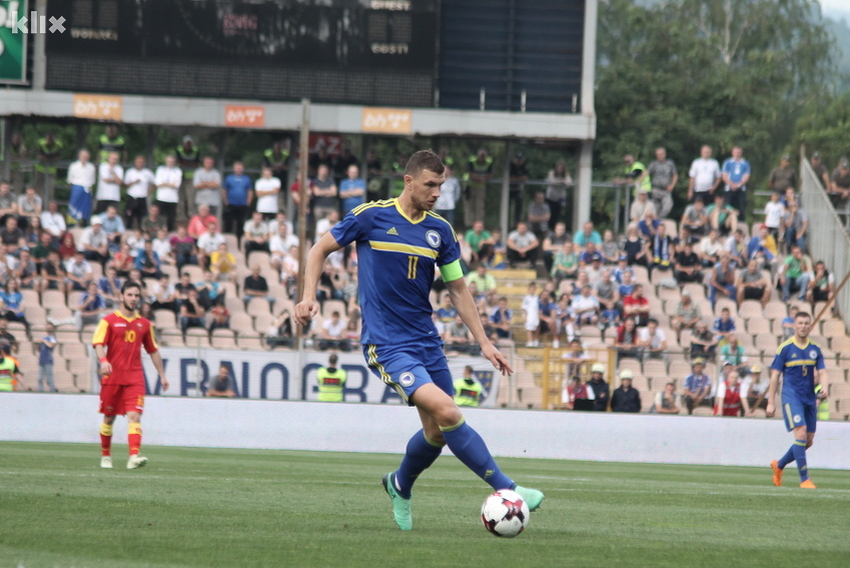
(505,513)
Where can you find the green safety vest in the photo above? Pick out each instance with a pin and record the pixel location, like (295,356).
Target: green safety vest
(468,394)
(331,382)
(50,152)
(478,168)
(823,406)
(269,155)
(193,156)
(7,374)
(646,184)
(108,145)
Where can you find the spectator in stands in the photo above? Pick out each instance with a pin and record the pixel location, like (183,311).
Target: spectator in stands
(480,242)
(267,190)
(704,175)
(11,235)
(53,221)
(697,387)
(722,217)
(352,190)
(209,242)
(820,170)
(110,286)
(667,401)
(484,282)
(199,223)
(752,284)
(774,211)
(754,389)
(163,294)
(839,187)
(325,197)
(188,160)
(531,315)
(192,313)
(788,321)
(255,234)
(518,172)
(154,222)
(26,271)
(731,398)
(450,193)
(538,215)
(221,386)
(607,292)
(794,226)
(762,248)
(280,245)
(95,242)
(593,269)
(821,286)
(688,314)
(207,183)
(81,178)
(795,274)
(736,174)
(586,235)
(724,326)
(458,337)
(663,177)
(553,242)
(610,248)
(722,280)
(113,226)
(8,343)
(585,307)
(660,248)
(181,290)
(138,180)
(627,286)
(78,273)
(167,179)
(46,344)
(110,178)
(783,176)
(546,314)
(733,352)
(599,386)
(209,291)
(162,247)
(148,262)
(649,224)
(652,341)
(564,321)
(280,334)
(185,250)
(276,158)
(44,246)
(640,206)
(627,338)
(255,286)
(446,313)
(565,263)
(237,197)
(91,308)
(557,181)
(222,264)
(501,319)
(625,398)
(637,306)
(687,266)
(522,245)
(577,395)
(29,207)
(13,305)
(220,318)
(635,247)
(703,342)
(736,247)
(695,218)
(52,273)
(326,223)
(710,249)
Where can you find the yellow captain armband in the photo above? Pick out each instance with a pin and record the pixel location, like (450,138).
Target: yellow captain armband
(451,271)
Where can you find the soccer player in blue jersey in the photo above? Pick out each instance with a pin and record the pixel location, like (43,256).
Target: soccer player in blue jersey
(798,360)
(399,243)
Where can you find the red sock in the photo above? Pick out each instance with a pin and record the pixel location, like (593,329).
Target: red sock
(105,439)
(134,437)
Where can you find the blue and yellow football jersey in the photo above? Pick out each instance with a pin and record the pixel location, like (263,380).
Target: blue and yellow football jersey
(798,365)
(396,261)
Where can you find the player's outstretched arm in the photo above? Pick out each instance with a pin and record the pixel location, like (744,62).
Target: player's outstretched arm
(308,306)
(156,358)
(465,306)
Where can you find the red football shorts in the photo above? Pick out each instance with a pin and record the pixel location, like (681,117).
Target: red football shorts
(120,399)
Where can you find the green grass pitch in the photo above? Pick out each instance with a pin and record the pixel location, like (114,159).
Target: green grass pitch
(235,508)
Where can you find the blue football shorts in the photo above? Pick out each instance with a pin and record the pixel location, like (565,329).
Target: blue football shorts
(798,413)
(408,366)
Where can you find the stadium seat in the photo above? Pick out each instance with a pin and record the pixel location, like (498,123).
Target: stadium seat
(74,350)
(250,342)
(234,305)
(165,319)
(833,328)
(223,339)
(697,291)
(258,258)
(680,369)
(257,306)
(750,309)
(671,295)
(232,242)
(654,368)
(330,306)
(818,309)
(837,375)
(758,325)
(703,411)
(171,271)
(172,337)
(641,384)
(60,312)
(685,340)
(671,227)
(196,274)
(641,274)
(283,305)
(241,323)
(197,336)
(271,275)
(631,364)
(766,342)
(52,298)
(67,334)
(229,289)
(841,344)
(74,298)
(263,322)
(80,369)
(775,311)
(96,270)
(31,297)
(724,302)
(36,315)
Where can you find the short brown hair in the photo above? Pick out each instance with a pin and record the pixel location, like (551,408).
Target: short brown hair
(424,160)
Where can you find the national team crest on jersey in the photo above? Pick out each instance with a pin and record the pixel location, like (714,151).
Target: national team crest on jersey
(406,379)
(812,354)
(433,238)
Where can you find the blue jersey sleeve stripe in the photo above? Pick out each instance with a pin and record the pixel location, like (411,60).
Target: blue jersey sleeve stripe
(402,248)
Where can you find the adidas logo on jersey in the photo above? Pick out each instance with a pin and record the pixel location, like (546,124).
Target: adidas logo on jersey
(392,231)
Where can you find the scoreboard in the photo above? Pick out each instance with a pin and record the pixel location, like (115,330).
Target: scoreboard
(339,51)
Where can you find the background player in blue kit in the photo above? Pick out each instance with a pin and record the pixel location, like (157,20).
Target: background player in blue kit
(798,359)
(399,243)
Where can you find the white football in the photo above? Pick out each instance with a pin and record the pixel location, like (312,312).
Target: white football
(505,513)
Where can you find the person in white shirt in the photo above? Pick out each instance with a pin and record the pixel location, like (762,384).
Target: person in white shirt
(289,266)
(208,243)
(449,195)
(138,180)
(53,221)
(280,245)
(162,247)
(167,180)
(110,177)
(773,213)
(267,189)
(275,223)
(704,175)
(207,182)
(531,310)
(652,341)
(326,224)
(81,178)
(255,234)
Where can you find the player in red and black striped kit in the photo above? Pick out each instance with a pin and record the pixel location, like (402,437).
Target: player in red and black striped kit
(118,340)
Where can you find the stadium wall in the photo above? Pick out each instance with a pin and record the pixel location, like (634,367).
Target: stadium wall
(385,428)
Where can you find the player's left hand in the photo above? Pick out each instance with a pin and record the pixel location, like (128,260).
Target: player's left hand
(495,356)
(164,382)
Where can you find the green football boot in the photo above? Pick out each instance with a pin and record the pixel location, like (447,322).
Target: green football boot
(401,506)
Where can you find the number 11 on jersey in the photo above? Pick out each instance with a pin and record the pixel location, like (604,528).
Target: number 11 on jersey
(412,263)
